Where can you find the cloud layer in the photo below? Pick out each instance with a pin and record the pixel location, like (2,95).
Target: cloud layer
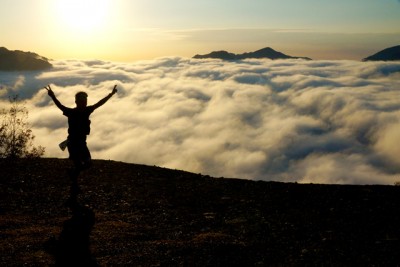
(292,120)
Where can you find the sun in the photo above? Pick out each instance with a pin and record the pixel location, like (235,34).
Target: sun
(82,16)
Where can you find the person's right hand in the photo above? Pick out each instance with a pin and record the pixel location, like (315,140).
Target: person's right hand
(114,91)
(49,91)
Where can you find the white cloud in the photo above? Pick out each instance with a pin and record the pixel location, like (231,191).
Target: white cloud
(292,120)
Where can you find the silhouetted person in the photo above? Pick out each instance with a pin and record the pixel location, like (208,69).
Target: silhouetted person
(78,129)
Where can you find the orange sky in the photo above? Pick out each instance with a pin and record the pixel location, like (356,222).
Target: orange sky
(123,30)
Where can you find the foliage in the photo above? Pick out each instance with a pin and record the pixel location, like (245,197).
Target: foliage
(16,137)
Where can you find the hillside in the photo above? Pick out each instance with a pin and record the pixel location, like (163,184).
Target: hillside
(136,215)
(20,61)
(262,53)
(388,54)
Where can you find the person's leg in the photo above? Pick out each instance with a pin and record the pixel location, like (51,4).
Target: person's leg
(75,189)
(79,153)
(86,157)
(74,156)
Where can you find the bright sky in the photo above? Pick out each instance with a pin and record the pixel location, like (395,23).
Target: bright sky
(128,30)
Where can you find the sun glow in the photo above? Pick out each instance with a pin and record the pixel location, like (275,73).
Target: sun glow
(82,16)
(83,29)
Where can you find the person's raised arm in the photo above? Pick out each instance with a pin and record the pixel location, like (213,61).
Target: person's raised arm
(105,99)
(53,96)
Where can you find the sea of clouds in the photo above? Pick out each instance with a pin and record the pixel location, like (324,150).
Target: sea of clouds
(283,120)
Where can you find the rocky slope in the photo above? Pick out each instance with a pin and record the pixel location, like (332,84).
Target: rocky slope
(136,215)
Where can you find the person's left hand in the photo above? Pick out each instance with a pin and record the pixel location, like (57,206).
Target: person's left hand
(49,91)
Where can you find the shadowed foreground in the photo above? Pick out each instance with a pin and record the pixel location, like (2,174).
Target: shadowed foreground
(150,216)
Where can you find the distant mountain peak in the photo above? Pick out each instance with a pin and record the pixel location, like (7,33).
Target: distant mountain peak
(222,54)
(20,60)
(388,54)
(266,52)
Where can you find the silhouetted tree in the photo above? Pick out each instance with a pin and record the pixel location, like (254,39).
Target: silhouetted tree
(16,137)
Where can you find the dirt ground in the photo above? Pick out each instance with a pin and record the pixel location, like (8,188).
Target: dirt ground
(136,215)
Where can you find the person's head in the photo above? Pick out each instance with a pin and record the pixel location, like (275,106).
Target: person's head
(81,99)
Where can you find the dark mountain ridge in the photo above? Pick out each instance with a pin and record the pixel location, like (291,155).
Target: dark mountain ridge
(388,54)
(262,53)
(137,215)
(21,61)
